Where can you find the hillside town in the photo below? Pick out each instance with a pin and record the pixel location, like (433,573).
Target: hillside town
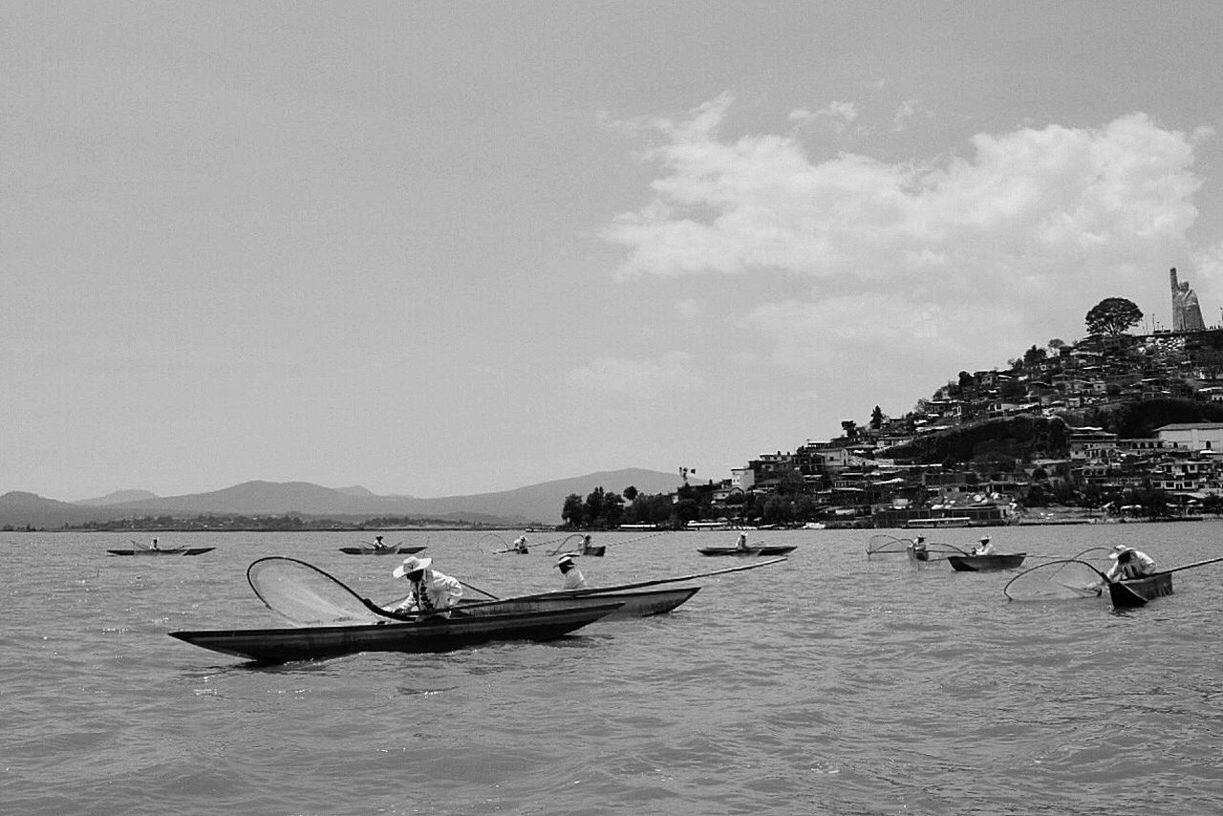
(1114,427)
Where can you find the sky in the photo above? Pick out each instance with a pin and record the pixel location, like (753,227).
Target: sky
(439,248)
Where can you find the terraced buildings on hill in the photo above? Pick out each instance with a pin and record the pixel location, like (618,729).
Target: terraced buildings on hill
(1114,425)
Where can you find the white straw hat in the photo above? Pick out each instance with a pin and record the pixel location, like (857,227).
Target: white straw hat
(411,564)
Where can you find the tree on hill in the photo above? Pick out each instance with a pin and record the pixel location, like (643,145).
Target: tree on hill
(602,510)
(1113,316)
(1034,357)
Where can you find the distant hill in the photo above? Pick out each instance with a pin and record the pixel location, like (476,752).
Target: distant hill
(19,509)
(534,504)
(118,497)
(544,502)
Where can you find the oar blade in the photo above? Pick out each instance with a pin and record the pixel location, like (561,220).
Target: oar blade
(1064,580)
(304,595)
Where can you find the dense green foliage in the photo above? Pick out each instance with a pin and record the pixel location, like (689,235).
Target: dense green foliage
(1113,316)
(1137,420)
(600,511)
(1020,437)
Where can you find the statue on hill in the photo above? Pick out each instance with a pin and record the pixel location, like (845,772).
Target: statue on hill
(1186,313)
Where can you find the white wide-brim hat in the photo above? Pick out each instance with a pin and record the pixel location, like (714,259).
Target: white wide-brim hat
(1119,550)
(564,559)
(411,564)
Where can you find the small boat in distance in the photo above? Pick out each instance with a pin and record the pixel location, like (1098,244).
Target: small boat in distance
(775,549)
(1132,592)
(940,521)
(707,525)
(985,563)
(370,550)
(163,551)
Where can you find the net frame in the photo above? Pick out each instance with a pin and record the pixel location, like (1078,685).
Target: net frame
(1061,580)
(304,595)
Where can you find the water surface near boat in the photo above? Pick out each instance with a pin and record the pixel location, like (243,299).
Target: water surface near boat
(829,684)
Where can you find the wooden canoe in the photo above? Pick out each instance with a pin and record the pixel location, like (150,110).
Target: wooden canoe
(432,634)
(164,551)
(634,604)
(764,550)
(368,550)
(1133,592)
(984,563)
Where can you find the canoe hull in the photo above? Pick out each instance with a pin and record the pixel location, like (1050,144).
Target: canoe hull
(986,563)
(1137,591)
(169,551)
(435,634)
(382,551)
(635,604)
(773,550)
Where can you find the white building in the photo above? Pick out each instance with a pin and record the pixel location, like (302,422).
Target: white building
(1194,436)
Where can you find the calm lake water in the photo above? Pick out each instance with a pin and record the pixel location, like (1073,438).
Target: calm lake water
(830,683)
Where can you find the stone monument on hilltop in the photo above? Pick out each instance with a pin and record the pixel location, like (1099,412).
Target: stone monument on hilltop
(1186,314)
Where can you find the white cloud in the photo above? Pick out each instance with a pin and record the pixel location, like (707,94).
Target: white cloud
(839,115)
(618,375)
(906,111)
(759,202)
(979,254)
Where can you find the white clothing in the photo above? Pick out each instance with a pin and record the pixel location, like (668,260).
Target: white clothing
(1138,565)
(441,592)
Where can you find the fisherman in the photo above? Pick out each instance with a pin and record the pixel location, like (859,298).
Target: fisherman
(586,547)
(1129,563)
(984,548)
(431,591)
(155,545)
(520,545)
(741,544)
(919,549)
(573,576)
(378,545)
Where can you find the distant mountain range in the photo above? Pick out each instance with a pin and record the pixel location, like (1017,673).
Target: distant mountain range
(534,504)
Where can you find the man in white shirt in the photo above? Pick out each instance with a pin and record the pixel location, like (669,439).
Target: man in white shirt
(573,576)
(1129,563)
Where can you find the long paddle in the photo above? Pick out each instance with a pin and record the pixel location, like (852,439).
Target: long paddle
(1187,566)
(481,591)
(657,581)
(599,590)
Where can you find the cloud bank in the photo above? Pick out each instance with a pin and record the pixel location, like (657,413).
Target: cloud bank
(950,260)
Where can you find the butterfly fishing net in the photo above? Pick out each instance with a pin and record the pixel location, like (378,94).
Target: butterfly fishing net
(1056,580)
(306,596)
(883,544)
(492,544)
